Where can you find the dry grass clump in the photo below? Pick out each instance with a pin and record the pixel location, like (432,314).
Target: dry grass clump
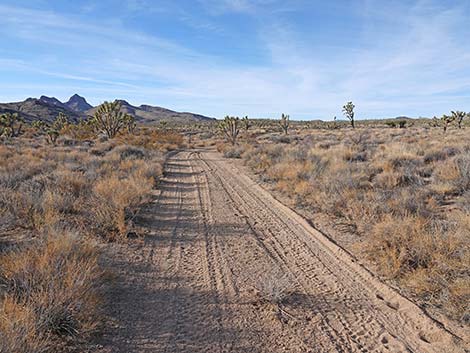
(161,140)
(51,293)
(404,192)
(274,286)
(115,200)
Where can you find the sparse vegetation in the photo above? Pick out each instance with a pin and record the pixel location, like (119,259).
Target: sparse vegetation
(394,190)
(56,202)
(400,195)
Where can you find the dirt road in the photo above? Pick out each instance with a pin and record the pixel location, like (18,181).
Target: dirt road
(217,240)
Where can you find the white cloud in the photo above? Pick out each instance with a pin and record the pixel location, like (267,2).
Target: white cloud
(422,68)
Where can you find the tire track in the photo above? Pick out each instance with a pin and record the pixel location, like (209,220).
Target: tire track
(213,233)
(387,323)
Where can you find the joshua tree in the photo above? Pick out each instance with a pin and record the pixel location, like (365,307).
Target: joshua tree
(402,124)
(230,128)
(459,116)
(446,121)
(163,125)
(109,118)
(61,121)
(10,125)
(284,123)
(57,126)
(246,123)
(348,111)
(435,122)
(39,125)
(130,123)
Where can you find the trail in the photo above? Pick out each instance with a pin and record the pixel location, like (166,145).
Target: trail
(214,235)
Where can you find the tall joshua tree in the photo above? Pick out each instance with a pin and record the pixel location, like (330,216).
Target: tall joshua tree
(284,123)
(109,118)
(230,127)
(447,120)
(10,125)
(246,123)
(53,131)
(348,111)
(459,116)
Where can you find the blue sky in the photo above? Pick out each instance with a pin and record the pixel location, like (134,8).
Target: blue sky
(242,57)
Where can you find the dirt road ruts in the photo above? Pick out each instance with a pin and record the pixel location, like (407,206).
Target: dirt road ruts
(191,284)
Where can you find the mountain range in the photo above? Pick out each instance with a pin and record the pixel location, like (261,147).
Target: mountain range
(77,108)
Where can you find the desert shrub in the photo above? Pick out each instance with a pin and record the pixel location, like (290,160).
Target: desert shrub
(462,164)
(272,286)
(153,139)
(206,135)
(440,155)
(233,152)
(455,172)
(52,290)
(427,256)
(130,152)
(114,202)
(281,138)
(102,148)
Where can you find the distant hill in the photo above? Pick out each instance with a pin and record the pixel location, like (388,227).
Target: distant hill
(148,114)
(78,104)
(40,109)
(52,101)
(77,108)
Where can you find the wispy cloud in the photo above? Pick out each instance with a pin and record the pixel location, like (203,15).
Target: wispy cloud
(404,60)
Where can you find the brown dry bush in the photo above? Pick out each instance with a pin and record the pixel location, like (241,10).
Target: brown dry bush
(114,201)
(52,288)
(152,139)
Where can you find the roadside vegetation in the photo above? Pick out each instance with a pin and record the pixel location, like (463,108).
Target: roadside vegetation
(65,190)
(397,193)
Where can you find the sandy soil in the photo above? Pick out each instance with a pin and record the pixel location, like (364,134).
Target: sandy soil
(215,241)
